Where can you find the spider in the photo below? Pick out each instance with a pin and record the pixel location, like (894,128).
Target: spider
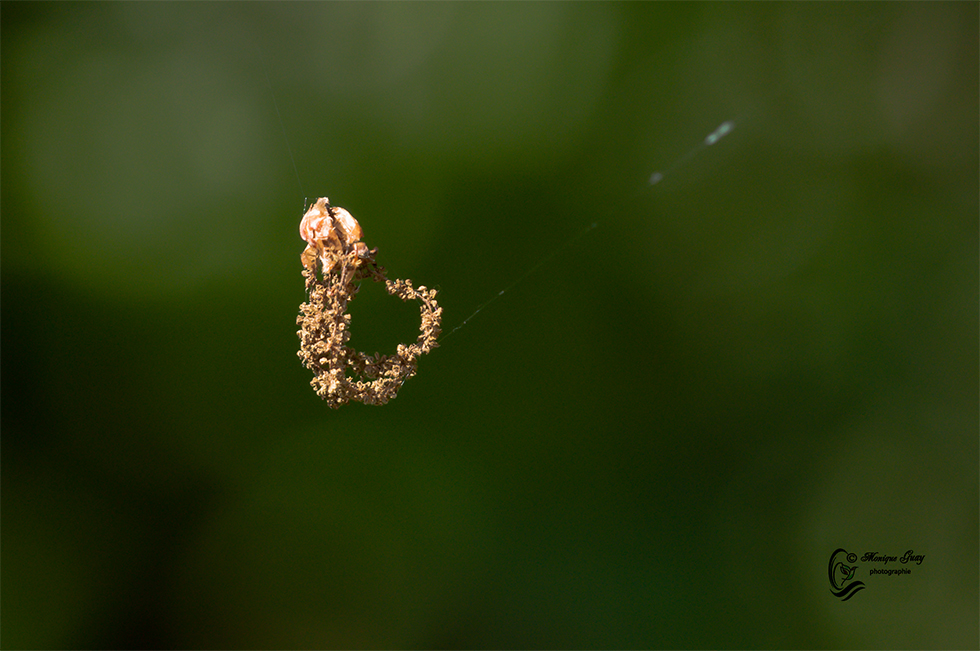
(330,232)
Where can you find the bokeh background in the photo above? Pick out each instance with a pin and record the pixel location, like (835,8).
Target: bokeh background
(655,439)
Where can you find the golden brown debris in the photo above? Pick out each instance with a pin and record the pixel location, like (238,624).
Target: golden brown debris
(342,374)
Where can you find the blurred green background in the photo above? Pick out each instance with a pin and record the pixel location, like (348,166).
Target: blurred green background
(656,439)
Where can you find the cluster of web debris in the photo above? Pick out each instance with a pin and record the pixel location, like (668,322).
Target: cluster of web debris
(342,374)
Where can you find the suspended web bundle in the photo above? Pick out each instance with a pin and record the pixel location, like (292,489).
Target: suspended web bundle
(341,374)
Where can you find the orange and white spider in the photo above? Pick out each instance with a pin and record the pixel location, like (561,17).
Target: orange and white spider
(329,232)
